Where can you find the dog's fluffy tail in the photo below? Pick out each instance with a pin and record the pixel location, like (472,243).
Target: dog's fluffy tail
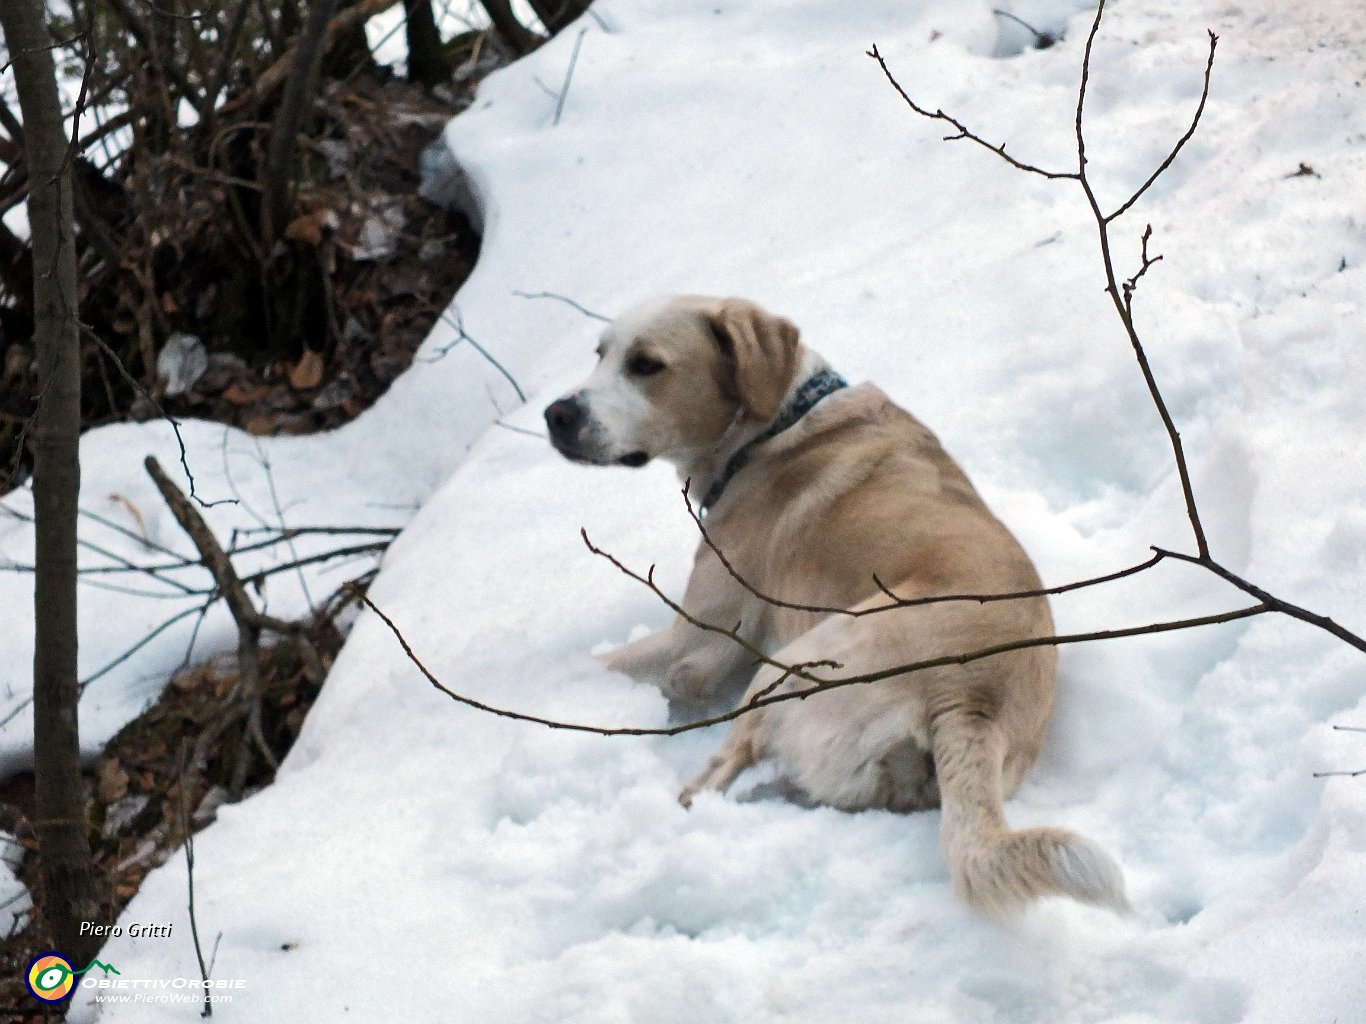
(996,869)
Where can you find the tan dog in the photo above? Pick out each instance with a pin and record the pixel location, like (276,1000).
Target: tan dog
(812,490)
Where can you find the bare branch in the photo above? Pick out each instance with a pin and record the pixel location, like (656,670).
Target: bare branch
(133,382)
(74,146)
(1171,157)
(1130,285)
(818,684)
(454,319)
(894,600)
(517,36)
(1042,40)
(188,832)
(215,559)
(273,78)
(1272,601)
(568,76)
(148,638)
(732,634)
(1113,289)
(566,300)
(962,130)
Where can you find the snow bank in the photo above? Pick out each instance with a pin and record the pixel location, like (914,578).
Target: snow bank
(417,860)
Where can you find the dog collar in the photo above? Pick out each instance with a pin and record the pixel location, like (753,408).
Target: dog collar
(816,387)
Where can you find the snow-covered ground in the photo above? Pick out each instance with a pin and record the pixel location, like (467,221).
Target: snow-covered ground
(417,860)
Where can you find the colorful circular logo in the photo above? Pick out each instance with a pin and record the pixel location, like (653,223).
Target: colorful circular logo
(50,977)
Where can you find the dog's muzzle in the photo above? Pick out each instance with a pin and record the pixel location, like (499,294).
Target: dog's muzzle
(574,436)
(565,418)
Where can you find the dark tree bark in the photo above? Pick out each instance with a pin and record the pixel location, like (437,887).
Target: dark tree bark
(427,64)
(520,39)
(68,881)
(284,134)
(556,14)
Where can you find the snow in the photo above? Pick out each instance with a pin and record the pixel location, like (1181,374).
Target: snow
(420,860)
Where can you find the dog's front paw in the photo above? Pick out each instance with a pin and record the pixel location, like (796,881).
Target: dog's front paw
(690,681)
(646,658)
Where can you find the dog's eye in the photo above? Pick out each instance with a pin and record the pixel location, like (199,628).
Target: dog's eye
(641,365)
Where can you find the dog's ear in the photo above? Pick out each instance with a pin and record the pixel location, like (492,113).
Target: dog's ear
(763,349)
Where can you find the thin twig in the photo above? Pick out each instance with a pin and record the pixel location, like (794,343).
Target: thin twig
(731,633)
(566,300)
(75,144)
(1043,40)
(962,130)
(568,76)
(454,319)
(189,881)
(301,531)
(1171,157)
(520,430)
(175,423)
(264,460)
(147,639)
(1132,283)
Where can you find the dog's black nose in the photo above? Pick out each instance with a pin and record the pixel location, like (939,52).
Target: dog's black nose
(564,418)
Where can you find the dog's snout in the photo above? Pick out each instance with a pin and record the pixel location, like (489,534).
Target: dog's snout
(564,417)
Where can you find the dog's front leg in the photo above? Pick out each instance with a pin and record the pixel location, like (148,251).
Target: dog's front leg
(687,663)
(647,659)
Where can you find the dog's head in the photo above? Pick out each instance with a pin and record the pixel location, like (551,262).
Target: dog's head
(673,376)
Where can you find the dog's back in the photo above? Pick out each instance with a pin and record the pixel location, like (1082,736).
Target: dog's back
(864,497)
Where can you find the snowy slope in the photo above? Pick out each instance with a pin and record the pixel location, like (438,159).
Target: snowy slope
(417,860)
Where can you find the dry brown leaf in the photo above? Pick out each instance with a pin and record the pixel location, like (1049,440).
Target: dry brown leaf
(307,372)
(239,393)
(113,782)
(311,227)
(307,228)
(262,425)
(119,499)
(297,425)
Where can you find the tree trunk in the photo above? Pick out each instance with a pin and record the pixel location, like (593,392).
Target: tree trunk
(427,63)
(284,134)
(68,882)
(518,37)
(556,14)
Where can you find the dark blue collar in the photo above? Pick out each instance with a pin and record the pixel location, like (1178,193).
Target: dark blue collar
(818,385)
